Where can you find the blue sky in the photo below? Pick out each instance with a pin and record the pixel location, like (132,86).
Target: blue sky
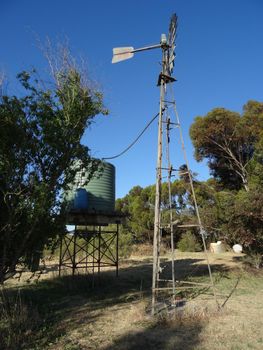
(219,64)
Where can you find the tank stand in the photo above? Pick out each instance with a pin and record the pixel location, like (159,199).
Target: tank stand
(89,249)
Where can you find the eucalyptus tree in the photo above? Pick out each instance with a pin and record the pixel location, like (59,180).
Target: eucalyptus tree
(228,141)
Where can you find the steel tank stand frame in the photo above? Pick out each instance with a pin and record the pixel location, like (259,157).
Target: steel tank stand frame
(89,250)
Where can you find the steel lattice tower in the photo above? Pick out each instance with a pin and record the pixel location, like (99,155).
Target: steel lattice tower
(167,122)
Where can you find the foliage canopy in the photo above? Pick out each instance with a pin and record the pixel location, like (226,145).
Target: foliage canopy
(228,141)
(40,139)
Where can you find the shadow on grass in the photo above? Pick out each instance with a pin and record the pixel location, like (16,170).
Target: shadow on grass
(187,268)
(238,258)
(158,337)
(72,300)
(231,292)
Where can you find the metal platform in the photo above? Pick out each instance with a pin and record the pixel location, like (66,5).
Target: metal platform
(86,218)
(92,244)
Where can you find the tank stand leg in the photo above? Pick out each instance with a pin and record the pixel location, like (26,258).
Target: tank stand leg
(99,252)
(74,253)
(60,256)
(117,251)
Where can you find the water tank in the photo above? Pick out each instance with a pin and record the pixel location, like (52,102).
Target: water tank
(96,196)
(101,189)
(81,199)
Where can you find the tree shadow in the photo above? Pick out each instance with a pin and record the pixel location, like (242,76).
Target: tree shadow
(238,258)
(161,337)
(83,298)
(187,268)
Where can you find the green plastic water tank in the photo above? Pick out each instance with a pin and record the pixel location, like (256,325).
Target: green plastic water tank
(101,189)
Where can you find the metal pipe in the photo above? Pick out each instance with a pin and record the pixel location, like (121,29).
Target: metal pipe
(146,48)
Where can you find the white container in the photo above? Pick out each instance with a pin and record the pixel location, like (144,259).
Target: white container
(237,248)
(217,247)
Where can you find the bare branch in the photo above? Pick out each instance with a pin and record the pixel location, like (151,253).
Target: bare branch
(2,81)
(239,167)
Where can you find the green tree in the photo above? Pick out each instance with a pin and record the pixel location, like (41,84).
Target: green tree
(138,205)
(231,203)
(247,220)
(236,217)
(40,138)
(228,141)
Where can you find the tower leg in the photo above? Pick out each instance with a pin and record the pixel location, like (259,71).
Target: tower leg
(157,211)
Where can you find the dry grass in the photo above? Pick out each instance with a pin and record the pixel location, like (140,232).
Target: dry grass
(113,315)
(17,321)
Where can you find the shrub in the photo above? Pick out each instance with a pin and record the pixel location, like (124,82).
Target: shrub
(253,260)
(189,243)
(125,243)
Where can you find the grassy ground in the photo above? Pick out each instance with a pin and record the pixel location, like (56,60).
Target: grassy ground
(68,313)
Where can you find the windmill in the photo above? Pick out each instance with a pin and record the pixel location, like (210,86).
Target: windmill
(167,45)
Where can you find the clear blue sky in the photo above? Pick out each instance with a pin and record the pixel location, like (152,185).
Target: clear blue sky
(219,64)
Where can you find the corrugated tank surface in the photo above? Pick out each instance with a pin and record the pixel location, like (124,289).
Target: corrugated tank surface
(101,189)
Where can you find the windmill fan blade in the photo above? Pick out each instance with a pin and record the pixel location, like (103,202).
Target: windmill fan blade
(171,42)
(172,30)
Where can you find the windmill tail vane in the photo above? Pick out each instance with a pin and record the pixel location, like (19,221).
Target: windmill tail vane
(122,53)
